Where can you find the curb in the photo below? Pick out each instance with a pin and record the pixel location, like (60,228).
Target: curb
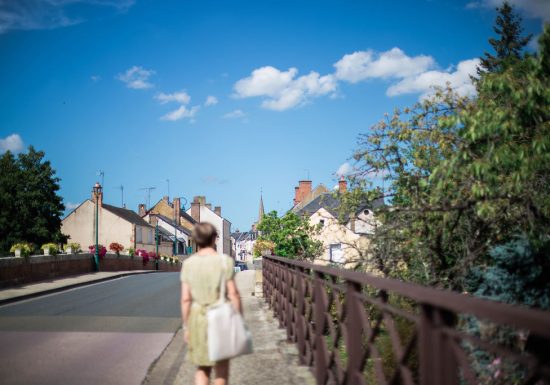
(71,286)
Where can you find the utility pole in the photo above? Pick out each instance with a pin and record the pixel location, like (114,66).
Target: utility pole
(168,182)
(149,189)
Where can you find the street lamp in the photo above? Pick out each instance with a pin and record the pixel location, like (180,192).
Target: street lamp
(176,220)
(97,191)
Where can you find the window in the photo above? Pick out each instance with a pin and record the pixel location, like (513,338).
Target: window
(336,253)
(322,222)
(138,234)
(150,236)
(366,212)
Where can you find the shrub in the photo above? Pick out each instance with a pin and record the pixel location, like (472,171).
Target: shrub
(25,247)
(131,252)
(116,247)
(143,254)
(73,245)
(52,247)
(262,244)
(102,250)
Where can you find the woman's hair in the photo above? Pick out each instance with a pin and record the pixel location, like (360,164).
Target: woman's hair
(205,234)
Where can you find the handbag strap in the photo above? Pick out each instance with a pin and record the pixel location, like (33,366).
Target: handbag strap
(222,283)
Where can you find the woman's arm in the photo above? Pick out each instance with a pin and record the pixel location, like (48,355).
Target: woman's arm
(185,302)
(234,296)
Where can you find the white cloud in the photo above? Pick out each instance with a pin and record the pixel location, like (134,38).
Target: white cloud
(71,205)
(12,143)
(281,89)
(95,78)
(363,65)
(137,77)
(235,114)
(211,101)
(423,83)
(344,169)
(180,97)
(48,14)
(536,9)
(181,113)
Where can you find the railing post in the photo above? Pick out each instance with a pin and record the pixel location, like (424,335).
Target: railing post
(438,365)
(321,351)
(354,334)
(299,319)
(289,304)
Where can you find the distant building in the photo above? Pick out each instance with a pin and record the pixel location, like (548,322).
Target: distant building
(242,243)
(343,240)
(201,211)
(170,215)
(115,224)
(171,231)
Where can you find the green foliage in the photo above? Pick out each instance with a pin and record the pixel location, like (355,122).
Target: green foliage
(31,207)
(26,248)
(462,176)
(508,47)
(261,245)
(75,246)
(292,235)
(516,273)
(131,252)
(51,247)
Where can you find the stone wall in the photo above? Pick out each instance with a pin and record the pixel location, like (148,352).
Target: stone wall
(16,271)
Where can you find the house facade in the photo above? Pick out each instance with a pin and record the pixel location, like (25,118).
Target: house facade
(115,224)
(344,241)
(201,211)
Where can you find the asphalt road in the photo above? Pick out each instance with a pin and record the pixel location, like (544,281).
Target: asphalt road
(106,333)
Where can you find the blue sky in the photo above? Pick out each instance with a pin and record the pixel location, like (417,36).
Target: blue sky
(223,98)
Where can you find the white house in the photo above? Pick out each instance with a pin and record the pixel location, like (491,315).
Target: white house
(166,225)
(201,211)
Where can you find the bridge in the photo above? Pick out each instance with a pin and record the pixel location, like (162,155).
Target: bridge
(311,325)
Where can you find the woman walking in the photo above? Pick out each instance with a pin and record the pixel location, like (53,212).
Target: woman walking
(200,277)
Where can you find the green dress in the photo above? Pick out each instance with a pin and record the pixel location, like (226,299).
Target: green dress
(203,275)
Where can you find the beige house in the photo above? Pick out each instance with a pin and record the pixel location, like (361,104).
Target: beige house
(344,242)
(115,224)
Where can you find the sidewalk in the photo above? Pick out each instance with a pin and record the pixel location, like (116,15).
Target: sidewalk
(274,361)
(57,284)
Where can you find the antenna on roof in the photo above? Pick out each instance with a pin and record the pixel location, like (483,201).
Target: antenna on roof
(149,189)
(307,173)
(168,182)
(121,188)
(101,173)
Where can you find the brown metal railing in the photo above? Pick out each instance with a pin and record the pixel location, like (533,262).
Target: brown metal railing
(355,328)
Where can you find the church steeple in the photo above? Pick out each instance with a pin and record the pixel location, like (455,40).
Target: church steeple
(261,210)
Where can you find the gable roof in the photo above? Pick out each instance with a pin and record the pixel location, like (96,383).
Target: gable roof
(171,223)
(127,215)
(331,203)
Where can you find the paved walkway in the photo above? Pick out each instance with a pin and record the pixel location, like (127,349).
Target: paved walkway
(34,289)
(274,361)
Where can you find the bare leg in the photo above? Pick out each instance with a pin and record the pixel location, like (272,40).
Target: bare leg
(222,373)
(202,376)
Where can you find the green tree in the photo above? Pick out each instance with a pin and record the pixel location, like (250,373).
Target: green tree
(292,235)
(463,176)
(31,207)
(509,45)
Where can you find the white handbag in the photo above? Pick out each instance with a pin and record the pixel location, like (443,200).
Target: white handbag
(228,336)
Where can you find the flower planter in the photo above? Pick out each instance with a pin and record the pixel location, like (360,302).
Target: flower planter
(46,251)
(18,253)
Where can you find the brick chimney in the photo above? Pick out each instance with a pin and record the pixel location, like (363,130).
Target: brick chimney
(342,185)
(296,193)
(218,210)
(141,210)
(177,209)
(196,210)
(304,188)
